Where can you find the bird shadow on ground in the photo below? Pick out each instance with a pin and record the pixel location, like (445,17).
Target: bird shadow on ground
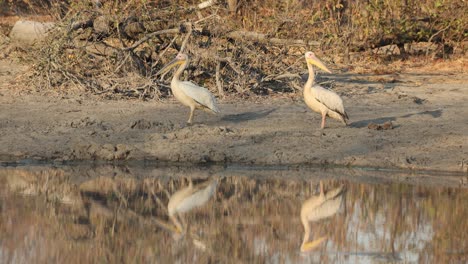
(364,123)
(247,116)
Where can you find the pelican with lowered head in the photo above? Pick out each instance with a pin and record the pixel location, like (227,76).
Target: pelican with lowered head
(188,93)
(320,99)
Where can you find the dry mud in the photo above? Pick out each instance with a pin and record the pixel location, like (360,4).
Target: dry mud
(428,111)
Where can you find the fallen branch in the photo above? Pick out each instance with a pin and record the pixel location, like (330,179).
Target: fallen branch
(254,36)
(296,86)
(206,4)
(185,27)
(151,35)
(218,79)
(81,24)
(276,77)
(205,54)
(434,35)
(189,32)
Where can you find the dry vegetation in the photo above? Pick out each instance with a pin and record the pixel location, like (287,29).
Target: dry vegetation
(237,47)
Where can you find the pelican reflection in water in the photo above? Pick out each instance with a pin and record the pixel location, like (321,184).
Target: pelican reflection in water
(316,208)
(187,199)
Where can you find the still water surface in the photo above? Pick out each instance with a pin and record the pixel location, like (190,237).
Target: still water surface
(108,214)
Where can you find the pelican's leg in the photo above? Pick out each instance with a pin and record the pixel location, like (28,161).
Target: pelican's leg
(192,110)
(344,121)
(322,192)
(306,235)
(184,224)
(324,115)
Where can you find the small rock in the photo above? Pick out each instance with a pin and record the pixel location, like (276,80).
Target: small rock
(105,154)
(101,25)
(319,133)
(122,151)
(385,126)
(25,33)
(141,124)
(418,100)
(373,126)
(18,154)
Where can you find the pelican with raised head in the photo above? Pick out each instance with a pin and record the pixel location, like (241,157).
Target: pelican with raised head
(320,99)
(188,93)
(316,208)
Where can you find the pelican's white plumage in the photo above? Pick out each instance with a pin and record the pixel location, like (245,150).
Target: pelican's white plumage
(200,95)
(319,99)
(188,198)
(188,93)
(328,98)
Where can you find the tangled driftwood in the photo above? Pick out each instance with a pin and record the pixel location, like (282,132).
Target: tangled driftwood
(114,48)
(118,55)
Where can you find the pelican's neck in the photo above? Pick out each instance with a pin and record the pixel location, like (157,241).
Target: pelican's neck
(311,79)
(306,225)
(179,71)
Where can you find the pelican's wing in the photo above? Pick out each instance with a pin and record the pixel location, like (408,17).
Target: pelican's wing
(326,209)
(334,192)
(198,198)
(177,198)
(330,99)
(200,95)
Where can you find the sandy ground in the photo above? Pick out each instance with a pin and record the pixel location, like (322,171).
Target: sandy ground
(429,113)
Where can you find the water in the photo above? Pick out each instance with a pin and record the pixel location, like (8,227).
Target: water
(119,214)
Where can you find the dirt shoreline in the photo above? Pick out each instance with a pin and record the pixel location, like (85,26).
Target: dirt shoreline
(429,114)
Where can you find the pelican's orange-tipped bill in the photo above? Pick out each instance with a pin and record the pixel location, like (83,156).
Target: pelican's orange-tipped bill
(169,66)
(312,244)
(315,61)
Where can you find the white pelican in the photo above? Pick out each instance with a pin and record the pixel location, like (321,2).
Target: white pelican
(320,99)
(188,198)
(317,208)
(188,93)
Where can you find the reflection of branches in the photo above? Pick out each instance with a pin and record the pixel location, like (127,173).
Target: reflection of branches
(397,217)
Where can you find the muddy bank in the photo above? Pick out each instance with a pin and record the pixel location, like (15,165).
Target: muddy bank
(428,112)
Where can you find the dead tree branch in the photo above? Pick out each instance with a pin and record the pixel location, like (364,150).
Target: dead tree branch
(187,36)
(259,37)
(207,4)
(152,35)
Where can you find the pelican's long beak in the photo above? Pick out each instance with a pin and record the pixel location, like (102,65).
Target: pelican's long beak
(315,61)
(312,244)
(169,66)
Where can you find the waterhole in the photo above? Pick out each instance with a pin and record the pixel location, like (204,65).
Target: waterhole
(179,214)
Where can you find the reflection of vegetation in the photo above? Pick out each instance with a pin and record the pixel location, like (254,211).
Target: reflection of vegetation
(118,219)
(406,215)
